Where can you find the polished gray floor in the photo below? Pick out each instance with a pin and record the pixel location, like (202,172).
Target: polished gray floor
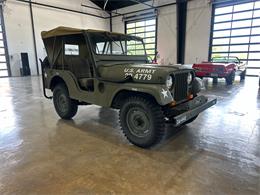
(219,153)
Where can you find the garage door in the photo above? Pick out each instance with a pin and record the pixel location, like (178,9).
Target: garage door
(146,29)
(236,32)
(4,68)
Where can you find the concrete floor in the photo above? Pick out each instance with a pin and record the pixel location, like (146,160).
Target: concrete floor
(219,153)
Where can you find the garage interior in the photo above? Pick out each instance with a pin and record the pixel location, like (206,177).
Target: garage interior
(218,153)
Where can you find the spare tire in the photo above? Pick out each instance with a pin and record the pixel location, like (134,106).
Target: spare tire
(45,63)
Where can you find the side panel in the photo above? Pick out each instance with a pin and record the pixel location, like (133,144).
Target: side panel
(104,91)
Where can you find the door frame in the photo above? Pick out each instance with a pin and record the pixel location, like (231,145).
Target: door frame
(5,43)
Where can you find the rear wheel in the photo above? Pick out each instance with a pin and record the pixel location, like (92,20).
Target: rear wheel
(142,121)
(65,107)
(230,78)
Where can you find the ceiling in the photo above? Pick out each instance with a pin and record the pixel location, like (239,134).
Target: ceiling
(116,4)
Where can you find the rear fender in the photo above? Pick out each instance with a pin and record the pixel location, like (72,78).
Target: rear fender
(68,78)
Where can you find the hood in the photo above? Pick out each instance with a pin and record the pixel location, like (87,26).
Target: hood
(143,73)
(207,64)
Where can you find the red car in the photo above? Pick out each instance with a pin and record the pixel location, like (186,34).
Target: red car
(221,67)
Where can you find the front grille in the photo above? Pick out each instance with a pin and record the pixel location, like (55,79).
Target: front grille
(181,86)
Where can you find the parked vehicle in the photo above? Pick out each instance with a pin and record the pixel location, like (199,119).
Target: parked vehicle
(97,67)
(221,67)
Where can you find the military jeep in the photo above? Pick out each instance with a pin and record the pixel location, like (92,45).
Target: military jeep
(86,67)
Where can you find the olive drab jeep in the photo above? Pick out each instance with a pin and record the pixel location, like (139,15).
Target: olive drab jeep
(86,67)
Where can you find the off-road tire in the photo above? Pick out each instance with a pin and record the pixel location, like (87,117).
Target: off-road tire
(243,75)
(145,109)
(65,107)
(45,63)
(230,78)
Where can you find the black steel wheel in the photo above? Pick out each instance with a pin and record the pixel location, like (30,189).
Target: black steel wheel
(65,107)
(142,121)
(230,78)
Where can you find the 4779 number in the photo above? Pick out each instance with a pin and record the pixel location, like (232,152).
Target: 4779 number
(143,76)
(140,76)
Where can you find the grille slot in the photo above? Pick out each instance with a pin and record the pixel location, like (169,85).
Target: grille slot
(181,86)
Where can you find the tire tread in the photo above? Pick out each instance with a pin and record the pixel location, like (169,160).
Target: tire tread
(158,117)
(73,103)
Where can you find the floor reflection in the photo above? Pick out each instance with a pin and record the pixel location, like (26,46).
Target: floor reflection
(217,153)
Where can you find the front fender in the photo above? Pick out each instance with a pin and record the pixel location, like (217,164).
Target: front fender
(161,94)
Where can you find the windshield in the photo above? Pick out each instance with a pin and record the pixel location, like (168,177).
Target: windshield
(114,44)
(225,59)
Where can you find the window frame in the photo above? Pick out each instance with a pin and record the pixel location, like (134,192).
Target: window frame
(4,39)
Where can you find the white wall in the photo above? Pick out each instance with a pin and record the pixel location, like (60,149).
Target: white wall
(197,32)
(166,38)
(19,30)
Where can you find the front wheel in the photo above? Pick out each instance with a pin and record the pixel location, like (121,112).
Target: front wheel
(230,78)
(142,121)
(65,107)
(243,75)
(215,80)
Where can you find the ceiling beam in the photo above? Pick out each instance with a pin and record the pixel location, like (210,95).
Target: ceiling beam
(99,9)
(61,8)
(104,8)
(139,2)
(146,9)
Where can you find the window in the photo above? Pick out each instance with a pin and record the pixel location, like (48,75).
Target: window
(71,50)
(236,32)
(3,61)
(145,29)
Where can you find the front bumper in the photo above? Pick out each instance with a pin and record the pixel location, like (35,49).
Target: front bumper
(210,74)
(186,111)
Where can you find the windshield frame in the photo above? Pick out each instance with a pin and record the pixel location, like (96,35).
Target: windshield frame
(226,59)
(123,37)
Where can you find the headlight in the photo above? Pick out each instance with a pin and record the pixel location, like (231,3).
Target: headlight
(189,78)
(169,82)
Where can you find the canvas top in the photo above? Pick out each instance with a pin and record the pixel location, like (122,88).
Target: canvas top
(62,30)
